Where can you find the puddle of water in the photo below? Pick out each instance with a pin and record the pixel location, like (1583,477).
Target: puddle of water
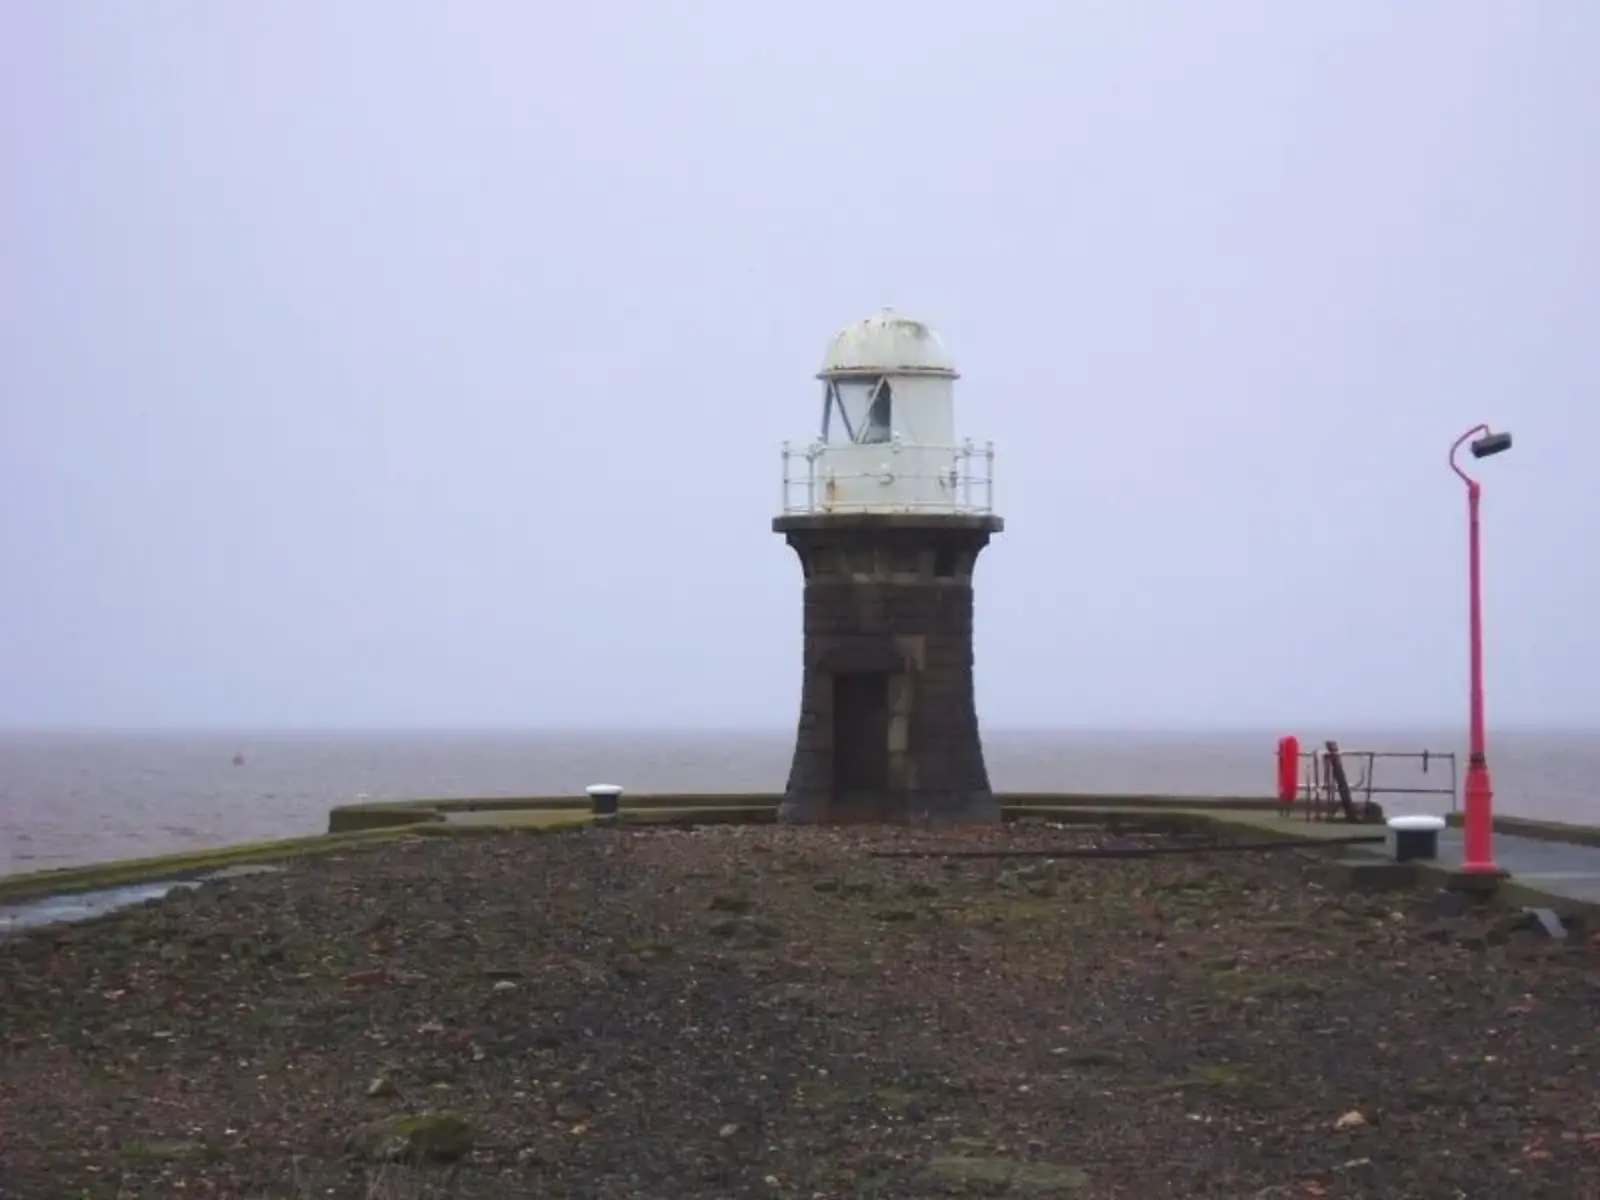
(83,906)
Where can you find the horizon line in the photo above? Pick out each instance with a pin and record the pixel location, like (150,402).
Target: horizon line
(1280,728)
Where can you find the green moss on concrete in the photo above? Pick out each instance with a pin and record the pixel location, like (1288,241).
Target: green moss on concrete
(720,815)
(353,818)
(58,881)
(539,818)
(61,881)
(369,814)
(744,806)
(1021,803)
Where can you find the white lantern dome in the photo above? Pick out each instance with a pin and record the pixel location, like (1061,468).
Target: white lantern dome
(887,343)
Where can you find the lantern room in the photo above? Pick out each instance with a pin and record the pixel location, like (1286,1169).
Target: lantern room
(887,439)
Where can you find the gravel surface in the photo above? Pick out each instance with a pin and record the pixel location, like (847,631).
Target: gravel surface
(762,1011)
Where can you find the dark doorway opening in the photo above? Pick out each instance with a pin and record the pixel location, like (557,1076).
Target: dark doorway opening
(860,736)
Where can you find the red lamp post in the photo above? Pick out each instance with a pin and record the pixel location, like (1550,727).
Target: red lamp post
(1478,823)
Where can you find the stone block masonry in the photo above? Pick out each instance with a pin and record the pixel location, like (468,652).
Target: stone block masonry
(888,727)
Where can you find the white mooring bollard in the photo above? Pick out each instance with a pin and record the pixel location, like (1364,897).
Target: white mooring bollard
(604,800)
(1415,839)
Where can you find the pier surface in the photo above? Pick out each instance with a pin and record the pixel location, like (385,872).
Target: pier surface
(1548,863)
(1565,869)
(758,1010)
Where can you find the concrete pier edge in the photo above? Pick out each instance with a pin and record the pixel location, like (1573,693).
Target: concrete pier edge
(354,826)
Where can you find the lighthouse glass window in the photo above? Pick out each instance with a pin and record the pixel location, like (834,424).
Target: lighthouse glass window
(857,410)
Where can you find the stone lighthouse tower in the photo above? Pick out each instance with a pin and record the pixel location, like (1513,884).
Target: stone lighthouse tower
(888,512)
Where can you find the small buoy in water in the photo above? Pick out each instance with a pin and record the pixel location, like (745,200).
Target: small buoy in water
(238,760)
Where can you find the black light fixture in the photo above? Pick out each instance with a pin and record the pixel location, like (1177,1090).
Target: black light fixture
(1489,444)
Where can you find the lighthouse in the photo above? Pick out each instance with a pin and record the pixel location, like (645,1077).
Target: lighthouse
(888,510)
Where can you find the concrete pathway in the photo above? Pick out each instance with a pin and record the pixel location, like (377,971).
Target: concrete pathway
(1565,869)
(1560,868)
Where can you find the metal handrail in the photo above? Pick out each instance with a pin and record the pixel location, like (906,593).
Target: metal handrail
(1317,780)
(971,490)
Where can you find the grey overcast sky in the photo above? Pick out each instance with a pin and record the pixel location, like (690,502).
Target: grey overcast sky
(423,364)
